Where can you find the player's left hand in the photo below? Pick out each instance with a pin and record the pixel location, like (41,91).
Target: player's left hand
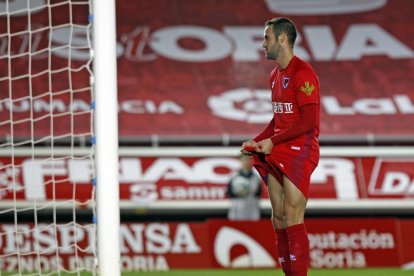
(265,146)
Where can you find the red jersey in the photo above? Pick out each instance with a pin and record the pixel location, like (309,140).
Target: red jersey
(292,88)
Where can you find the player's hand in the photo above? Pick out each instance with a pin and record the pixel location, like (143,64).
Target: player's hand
(265,146)
(249,143)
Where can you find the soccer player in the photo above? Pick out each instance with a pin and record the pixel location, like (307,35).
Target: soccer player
(288,147)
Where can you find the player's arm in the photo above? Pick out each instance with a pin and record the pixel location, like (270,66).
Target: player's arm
(307,122)
(266,133)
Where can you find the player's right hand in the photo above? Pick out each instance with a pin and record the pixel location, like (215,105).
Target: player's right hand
(249,143)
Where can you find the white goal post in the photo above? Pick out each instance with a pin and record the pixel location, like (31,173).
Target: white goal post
(106,125)
(58,87)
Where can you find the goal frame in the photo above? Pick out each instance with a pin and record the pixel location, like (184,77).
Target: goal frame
(106,134)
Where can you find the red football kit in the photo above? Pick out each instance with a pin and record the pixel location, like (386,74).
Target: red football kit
(294,129)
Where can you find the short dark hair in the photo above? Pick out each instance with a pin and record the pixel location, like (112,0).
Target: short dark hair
(283,25)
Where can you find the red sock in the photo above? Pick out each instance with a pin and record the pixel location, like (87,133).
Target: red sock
(283,250)
(299,249)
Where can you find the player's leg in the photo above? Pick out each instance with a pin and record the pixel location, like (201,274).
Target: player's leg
(275,190)
(294,205)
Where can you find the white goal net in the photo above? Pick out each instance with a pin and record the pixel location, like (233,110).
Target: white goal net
(47,171)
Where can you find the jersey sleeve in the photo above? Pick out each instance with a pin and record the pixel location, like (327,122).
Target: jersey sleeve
(307,87)
(307,122)
(267,132)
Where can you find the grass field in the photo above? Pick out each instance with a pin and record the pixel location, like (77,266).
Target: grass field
(263,272)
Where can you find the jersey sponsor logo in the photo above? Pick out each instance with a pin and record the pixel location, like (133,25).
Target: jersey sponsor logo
(279,107)
(256,256)
(307,88)
(285,82)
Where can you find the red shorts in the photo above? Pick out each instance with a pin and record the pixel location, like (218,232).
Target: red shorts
(295,163)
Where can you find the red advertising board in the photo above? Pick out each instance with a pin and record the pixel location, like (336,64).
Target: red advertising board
(406,228)
(389,177)
(334,243)
(242,244)
(196,68)
(354,243)
(155,179)
(153,246)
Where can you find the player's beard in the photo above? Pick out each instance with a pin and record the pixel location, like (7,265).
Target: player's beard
(272,53)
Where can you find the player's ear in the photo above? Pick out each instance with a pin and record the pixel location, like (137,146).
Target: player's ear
(282,38)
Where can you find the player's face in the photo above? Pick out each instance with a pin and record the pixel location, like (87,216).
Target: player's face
(270,43)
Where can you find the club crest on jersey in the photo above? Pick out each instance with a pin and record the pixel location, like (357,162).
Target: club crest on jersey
(307,88)
(285,82)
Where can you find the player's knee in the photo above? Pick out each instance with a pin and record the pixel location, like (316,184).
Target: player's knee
(294,216)
(273,219)
(278,220)
(277,213)
(292,206)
